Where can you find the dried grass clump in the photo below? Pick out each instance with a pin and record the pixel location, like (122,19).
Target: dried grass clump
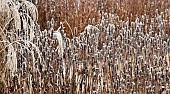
(16,39)
(10,17)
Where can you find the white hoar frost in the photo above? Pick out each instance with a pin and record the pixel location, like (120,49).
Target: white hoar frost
(57,35)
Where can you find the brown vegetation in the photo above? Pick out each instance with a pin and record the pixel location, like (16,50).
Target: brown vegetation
(132,56)
(68,10)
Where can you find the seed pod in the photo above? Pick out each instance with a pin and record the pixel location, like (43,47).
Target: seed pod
(89,21)
(75,31)
(93,21)
(24,66)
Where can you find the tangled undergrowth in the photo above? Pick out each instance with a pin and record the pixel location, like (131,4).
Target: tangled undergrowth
(110,54)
